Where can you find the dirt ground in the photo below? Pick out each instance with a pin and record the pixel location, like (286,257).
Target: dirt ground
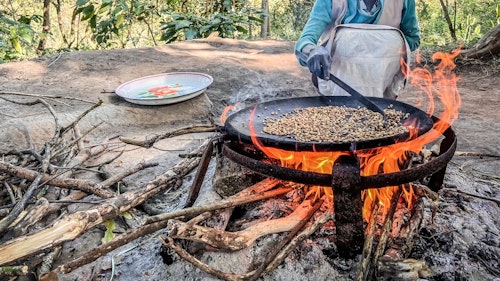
(248,72)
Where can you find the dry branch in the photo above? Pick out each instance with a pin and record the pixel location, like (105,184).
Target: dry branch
(488,46)
(83,185)
(71,226)
(251,194)
(118,177)
(475,154)
(368,245)
(280,257)
(118,241)
(13,270)
(473,195)
(240,239)
(19,207)
(147,143)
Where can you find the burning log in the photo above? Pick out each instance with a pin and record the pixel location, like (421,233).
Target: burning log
(276,257)
(239,239)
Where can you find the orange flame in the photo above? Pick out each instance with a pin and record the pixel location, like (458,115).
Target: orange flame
(228,108)
(438,85)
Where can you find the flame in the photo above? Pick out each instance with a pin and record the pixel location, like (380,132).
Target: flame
(437,85)
(228,108)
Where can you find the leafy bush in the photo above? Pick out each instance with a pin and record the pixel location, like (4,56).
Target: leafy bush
(227,24)
(17,38)
(107,24)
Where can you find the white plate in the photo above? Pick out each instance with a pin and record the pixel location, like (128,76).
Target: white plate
(165,88)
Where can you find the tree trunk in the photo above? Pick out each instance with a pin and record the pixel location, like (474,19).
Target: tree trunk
(264,31)
(58,5)
(487,47)
(448,20)
(46,25)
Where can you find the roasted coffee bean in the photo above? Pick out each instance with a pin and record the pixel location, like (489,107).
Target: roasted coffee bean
(336,124)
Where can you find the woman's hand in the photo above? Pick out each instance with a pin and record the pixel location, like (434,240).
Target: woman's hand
(319,61)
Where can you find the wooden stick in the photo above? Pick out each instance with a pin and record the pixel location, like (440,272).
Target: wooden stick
(79,117)
(472,195)
(71,226)
(385,232)
(48,261)
(15,270)
(147,143)
(235,200)
(19,207)
(169,242)
(368,245)
(240,239)
(118,177)
(477,154)
(271,256)
(200,175)
(104,249)
(83,185)
(400,248)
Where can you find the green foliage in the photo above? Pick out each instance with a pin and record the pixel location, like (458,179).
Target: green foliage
(228,24)
(109,234)
(106,24)
(289,19)
(498,15)
(470,20)
(17,38)
(111,20)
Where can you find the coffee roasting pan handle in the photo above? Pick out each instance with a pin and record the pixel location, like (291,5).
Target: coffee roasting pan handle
(355,94)
(249,122)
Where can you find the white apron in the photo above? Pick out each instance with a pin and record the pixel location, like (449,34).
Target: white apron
(368,57)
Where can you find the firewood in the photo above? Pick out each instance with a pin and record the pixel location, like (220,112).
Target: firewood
(368,245)
(400,244)
(271,256)
(15,270)
(239,239)
(385,232)
(250,194)
(147,143)
(71,226)
(83,185)
(280,257)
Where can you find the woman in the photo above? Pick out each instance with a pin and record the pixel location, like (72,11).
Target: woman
(363,42)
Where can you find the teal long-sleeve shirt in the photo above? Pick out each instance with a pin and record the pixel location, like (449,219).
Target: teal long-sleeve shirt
(321,16)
